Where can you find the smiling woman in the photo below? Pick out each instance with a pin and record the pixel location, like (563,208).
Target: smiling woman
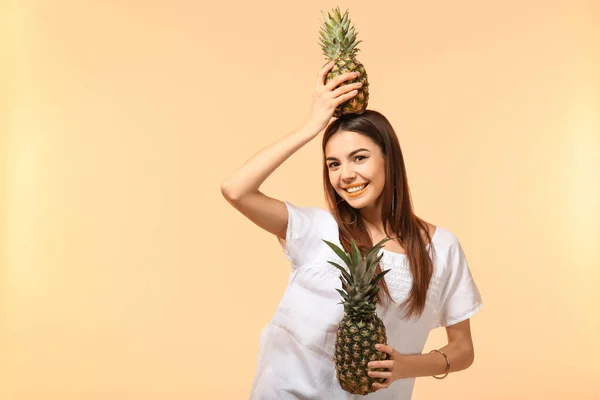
(368,199)
(364,174)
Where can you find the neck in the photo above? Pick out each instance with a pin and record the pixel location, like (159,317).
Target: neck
(371,214)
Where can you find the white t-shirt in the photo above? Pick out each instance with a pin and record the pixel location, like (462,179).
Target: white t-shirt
(295,359)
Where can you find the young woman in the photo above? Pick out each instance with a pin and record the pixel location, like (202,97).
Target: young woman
(429,284)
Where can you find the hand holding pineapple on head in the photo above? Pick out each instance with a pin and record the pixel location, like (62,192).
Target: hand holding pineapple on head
(328,96)
(342,85)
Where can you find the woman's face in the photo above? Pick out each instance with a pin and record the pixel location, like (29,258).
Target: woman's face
(354,160)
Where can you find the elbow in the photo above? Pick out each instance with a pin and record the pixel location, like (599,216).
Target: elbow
(227,192)
(470,356)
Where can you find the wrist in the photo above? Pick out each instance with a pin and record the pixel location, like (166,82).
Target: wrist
(311,128)
(421,365)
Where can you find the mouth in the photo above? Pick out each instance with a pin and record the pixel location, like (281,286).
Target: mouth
(356,190)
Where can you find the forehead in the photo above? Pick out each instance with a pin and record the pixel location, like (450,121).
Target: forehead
(344,142)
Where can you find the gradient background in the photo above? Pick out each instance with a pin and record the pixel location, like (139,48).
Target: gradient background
(126,275)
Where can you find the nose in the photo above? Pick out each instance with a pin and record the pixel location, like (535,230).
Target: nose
(348,174)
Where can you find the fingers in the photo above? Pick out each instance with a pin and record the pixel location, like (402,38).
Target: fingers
(328,97)
(386,349)
(346,88)
(339,79)
(381,364)
(323,73)
(380,374)
(345,97)
(381,385)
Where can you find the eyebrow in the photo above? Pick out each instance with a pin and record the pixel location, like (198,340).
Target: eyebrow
(349,155)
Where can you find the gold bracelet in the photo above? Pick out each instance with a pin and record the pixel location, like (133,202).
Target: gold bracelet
(447,364)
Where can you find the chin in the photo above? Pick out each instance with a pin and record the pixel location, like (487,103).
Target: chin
(358,203)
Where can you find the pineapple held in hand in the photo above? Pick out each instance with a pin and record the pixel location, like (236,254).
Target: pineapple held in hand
(338,42)
(360,329)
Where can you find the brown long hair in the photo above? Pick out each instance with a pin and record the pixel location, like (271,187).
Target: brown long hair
(397,209)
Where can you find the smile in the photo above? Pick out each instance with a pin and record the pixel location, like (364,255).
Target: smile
(356,190)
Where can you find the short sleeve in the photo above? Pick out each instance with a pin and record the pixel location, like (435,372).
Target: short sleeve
(460,298)
(304,232)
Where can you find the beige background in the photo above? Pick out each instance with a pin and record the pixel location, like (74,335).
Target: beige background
(126,275)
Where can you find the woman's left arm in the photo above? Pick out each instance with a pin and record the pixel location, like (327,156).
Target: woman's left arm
(459,350)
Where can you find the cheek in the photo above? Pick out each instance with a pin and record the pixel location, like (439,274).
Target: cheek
(378,181)
(379,187)
(375,175)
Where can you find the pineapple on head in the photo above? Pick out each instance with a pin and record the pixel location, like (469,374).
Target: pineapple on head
(360,329)
(339,43)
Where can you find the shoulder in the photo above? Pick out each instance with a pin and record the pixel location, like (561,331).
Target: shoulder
(449,251)
(309,210)
(319,219)
(313,213)
(446,242)
(306,229)
(444,236)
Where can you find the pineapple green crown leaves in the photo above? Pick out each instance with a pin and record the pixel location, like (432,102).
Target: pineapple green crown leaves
(359,288)
(338,39)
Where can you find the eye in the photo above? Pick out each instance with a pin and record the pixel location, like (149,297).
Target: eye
(360,156)
(332,164)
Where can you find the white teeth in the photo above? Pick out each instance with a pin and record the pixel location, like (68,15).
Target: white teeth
(356,189)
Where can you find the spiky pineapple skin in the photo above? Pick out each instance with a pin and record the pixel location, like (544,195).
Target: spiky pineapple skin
(358,103)
(354,348)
